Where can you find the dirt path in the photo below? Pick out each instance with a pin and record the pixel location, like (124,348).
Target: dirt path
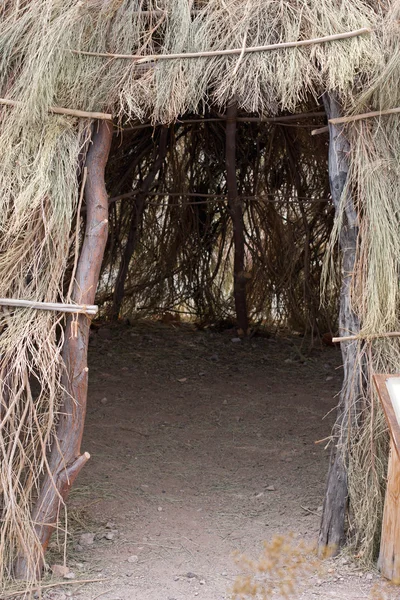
(201,446)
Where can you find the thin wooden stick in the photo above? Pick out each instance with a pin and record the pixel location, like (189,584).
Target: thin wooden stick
(64,111)
(90,309)
(155,57)
(348,338)
(320,130)
(368,115)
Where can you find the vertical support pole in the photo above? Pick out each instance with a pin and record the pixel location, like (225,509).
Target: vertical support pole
(332,530)
(66,460)
(236,212)
(389,553)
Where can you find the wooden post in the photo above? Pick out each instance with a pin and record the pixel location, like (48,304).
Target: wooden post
(236,212)
(139,206)
(66,460)
(332,530)
(389,553)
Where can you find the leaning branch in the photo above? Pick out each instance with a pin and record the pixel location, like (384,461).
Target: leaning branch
(156,57)
(83,114)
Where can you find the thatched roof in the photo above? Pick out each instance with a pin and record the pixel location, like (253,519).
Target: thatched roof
(43,64)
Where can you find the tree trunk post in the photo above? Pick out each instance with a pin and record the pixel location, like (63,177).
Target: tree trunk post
(332,531)
(236,212)
(139,206)
(66,460)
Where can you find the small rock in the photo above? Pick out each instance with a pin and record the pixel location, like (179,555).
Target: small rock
(78,548)
(103,401)
(224,574)
(329,378)
(110,525)
(369,576)
(182,380)
(271,488)
(69,575)
(176,578)
(59,570)
(214,357)
(159,509)
(288,361)
(260,495)
(109,536)
(320,509)
(86,539)
(190,575)
(133,559)
(202,582)
(236,340)
(225,402)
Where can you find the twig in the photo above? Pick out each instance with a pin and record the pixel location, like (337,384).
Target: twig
(52,585)
(320,130)
(89,309)
(348,338)
(64,111)
(156,57)
(310,511)
(368,115)
(323,440)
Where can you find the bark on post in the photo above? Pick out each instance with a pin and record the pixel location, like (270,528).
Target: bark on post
(139,206)
(66,460)
(236,212)
(332,531)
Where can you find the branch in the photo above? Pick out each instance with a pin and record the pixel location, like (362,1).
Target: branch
(140,59)
(64,111)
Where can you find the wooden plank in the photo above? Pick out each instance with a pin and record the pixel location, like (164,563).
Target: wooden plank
(389,555)
(391,419)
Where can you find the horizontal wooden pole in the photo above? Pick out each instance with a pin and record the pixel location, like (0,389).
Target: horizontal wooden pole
(90,309)
(83,114)
(232,51)
(222,197)
(348,338)
(222,118)
(368,115)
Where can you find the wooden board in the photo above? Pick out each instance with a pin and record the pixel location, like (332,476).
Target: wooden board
(383,393)
(389,554)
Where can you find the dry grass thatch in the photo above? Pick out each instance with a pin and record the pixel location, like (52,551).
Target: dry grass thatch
(42,156)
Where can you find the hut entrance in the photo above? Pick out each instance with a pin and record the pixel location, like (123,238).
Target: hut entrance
(158,162)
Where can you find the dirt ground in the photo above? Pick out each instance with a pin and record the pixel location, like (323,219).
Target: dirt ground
(201,445)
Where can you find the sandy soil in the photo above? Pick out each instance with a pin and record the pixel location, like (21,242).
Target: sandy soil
(201,446)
